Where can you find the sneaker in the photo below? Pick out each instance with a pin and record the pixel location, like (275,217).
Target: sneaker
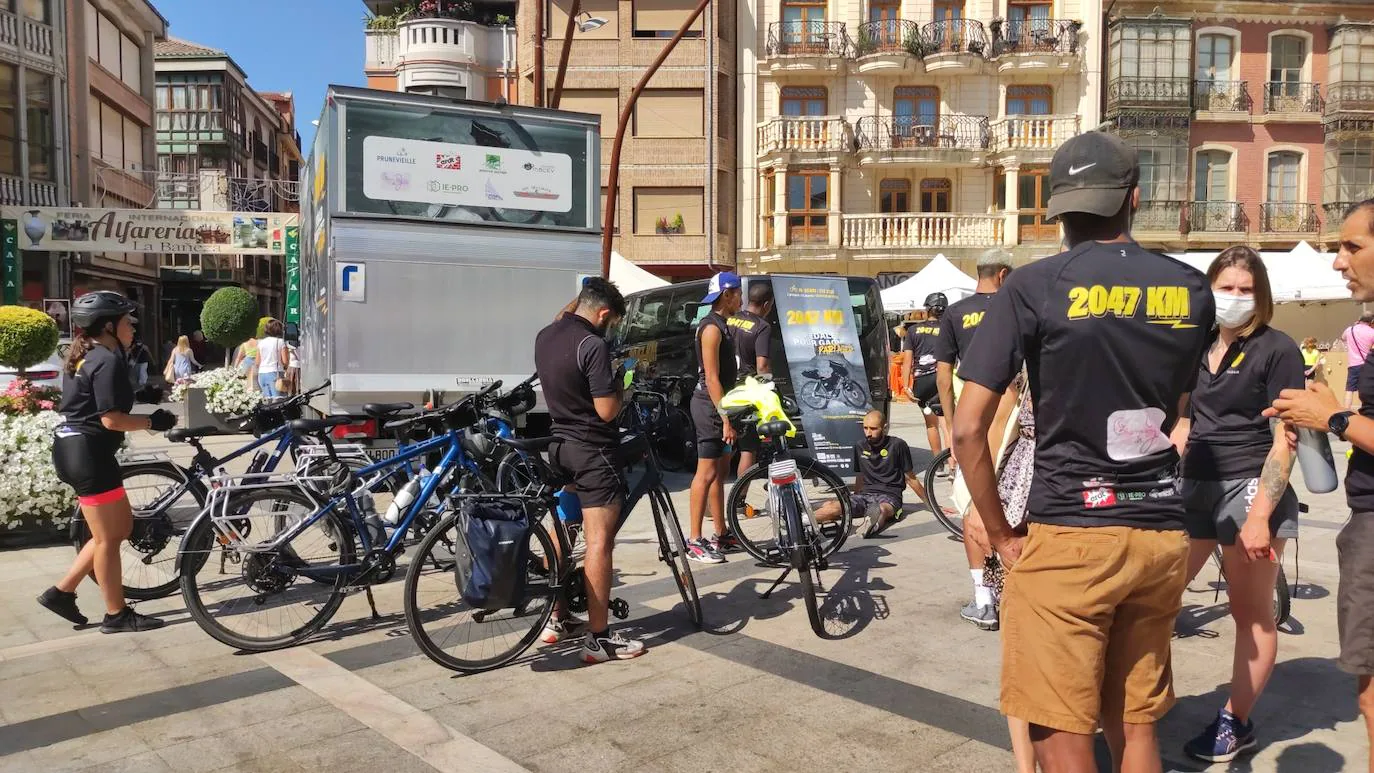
(877,525)
(555,630)
(985,617)
(704,552)
(726,543)
(129,621)
(1223,740)
(62,604)
(601,647)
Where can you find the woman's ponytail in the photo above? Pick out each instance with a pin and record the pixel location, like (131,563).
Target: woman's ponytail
(81,345)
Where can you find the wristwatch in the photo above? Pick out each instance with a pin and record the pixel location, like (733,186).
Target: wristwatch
(1339,423)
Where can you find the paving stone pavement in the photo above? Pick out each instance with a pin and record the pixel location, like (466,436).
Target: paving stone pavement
(911,688)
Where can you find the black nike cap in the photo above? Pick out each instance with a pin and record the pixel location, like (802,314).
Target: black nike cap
(1093,173)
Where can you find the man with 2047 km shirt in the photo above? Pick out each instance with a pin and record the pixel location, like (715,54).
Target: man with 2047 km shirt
(1111,335)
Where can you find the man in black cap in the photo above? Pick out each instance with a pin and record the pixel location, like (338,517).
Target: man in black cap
(1112,335)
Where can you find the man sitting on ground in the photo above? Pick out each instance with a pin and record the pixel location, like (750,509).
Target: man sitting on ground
(884,463)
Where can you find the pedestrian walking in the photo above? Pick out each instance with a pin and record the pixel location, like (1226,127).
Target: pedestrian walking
(246,362)
(1093,589)
(182,363)
(272,357)
(1235,482)
(1312,359)
(1359,338)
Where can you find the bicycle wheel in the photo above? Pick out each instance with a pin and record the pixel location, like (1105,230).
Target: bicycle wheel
(813,396)
(258,600)
(747,509)
(853,395)
(677,446)
(672,550)
(464,639)
(163,507)
(1283,600)
(940,496)
(515,474)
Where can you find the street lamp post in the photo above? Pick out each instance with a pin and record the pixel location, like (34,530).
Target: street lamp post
(557,95)
(613,178)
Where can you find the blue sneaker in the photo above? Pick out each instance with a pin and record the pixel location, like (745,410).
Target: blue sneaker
(1223,740)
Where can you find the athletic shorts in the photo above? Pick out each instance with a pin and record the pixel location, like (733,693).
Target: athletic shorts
(710,426)
(87,463)
(860,502)
(927,393)
(1087,623)
(1352,378)
(1216,509)
(595,475)
(1355,596)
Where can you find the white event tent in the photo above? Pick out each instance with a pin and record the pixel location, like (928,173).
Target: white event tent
(938,276)
(1297,276)
(630,278)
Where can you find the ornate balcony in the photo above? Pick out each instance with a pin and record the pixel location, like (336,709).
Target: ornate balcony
(804,135)
(1217,217)
(1033,138)
(1149,93)
(1348,97)
(1286,97)
(16,191)
(1035,44)
(911,230)
(887,46)
(1288,218)
(807,47)
(911,139)
(954,44)
(1164,217)
(1221,96)
(31,39)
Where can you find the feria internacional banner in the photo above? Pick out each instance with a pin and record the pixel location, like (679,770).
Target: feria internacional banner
(77,229)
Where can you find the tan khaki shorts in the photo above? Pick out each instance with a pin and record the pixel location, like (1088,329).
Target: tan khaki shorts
(1087,621)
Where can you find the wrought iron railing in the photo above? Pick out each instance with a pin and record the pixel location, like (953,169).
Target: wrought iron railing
(1158,215)
(1290,97)
(808,38)
(954,36)
(923,229)
(1288,218)
(896,132)
(1217,217)
(1035,36)
(1221,96)
(1348,97)
(1149,92)
(1334,211)
(888,36)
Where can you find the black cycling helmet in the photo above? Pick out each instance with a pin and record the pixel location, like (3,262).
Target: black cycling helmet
(937,303)
(99,306)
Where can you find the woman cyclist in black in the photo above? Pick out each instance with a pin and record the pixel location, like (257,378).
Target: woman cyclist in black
(97,396)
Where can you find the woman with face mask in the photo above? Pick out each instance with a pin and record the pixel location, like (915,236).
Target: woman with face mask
(1235,481)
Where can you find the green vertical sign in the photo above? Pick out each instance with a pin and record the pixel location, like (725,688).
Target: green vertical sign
(9,253)
(293,274)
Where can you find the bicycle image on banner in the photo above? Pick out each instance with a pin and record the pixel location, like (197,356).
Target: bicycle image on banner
(826,362)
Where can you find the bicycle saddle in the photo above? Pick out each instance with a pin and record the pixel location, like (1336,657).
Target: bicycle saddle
(385,410)
(182,434)
(530,445)
(775,429)
(811,373)
(317,425)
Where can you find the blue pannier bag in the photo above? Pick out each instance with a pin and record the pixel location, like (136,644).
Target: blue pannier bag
(491,572)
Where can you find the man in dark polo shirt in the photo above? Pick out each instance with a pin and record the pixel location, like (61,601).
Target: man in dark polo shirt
(1111,335)
(574,366)
(1317,408)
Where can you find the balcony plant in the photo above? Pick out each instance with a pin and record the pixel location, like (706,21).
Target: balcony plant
(677,226)
(864,44)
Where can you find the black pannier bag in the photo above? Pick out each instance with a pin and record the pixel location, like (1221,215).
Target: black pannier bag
(491,571)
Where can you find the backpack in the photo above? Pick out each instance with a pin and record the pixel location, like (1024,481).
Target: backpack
(490,573)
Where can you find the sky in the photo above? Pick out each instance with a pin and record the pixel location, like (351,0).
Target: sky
(300,46)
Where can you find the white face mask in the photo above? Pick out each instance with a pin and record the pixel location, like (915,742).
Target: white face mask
(1234,310)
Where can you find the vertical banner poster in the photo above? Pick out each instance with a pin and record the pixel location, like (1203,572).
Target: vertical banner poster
(826,363)
(293,275)
(9,254)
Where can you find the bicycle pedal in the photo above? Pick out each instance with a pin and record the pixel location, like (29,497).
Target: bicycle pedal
(620,608)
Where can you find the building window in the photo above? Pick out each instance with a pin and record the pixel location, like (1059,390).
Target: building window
(1349,174)
(949,10)
(1163,166)
(770,192)
(1282,187)
(447,92)
(9,119)
(667,211)
(808,206)
(803,100)
(1212,179)
(669,113)
(1027,18)
(803,26)
(1287,55)
(915,111)
(1030,100)
(38,10)
(936,194)
(663,18)
(1033,198)
(38,119)
(1352,56)
(894,196)
(725,202)
(1215,53)
(556,19)
(1147,52)
(602,102)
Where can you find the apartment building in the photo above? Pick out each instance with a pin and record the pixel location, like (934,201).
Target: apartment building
(446,48)
(675,210)
(883,132)
(1254,122)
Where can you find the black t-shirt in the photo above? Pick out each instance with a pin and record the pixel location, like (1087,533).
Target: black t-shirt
(922,338)
(1111,335)
(884,467)
(1359,477)
(753,339)
(957,326)
(729,366)
(574,365)
(1230,439)
(101,385)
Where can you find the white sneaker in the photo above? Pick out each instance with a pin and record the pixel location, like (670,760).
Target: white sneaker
(609,646)
(556,630)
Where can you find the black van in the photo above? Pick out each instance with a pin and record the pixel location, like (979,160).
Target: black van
(660,325)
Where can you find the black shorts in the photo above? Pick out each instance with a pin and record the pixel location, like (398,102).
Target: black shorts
(710,427)
(858,503)
(595,474)
(1352,378)
(87,463)
(927,394)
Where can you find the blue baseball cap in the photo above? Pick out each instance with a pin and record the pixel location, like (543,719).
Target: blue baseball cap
(725,280)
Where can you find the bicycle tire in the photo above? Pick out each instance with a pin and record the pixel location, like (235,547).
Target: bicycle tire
(813,396)
(677,447)
(515,474)
(802,564)
(202,540)
(1283,598)
(138,586)
(934,501)
(673,551)
(853,395)
(765,550)
(415,621)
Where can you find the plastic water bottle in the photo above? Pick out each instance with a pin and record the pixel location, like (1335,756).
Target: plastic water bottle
(569,507)
(376,528)
(404,498)
(1314,457)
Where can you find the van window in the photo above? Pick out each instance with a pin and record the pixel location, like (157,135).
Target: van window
(646,317)
(686,310)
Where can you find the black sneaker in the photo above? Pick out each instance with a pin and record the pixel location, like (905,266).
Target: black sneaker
(62,604)
(129,621)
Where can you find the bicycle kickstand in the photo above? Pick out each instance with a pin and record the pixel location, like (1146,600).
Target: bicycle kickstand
(776,583)
(371,602)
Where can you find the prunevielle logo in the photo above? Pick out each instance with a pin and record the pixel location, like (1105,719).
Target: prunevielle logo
(401,156)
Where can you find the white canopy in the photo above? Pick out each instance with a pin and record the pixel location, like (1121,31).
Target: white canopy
(631,278)
(1300,275)
(938,276)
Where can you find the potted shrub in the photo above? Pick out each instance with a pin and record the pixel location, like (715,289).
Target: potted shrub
(677,226)
(864,44)
(228,318)
(661,225)
(27,337)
